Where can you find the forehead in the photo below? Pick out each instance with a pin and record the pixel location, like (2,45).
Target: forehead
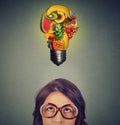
(58,99)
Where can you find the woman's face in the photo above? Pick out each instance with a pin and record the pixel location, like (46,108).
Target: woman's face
(53,103)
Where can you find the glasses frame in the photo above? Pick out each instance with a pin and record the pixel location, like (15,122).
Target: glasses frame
(59,109)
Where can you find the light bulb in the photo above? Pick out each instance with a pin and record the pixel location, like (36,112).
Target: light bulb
(58,24)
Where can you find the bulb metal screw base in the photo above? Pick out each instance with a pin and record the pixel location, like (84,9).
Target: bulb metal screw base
(57,56)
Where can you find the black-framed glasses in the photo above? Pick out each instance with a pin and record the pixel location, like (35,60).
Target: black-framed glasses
(67,111)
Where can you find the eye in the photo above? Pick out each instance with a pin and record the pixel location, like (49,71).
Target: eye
(50,108)
(67,109)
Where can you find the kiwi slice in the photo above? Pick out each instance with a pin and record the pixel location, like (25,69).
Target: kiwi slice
(52,16)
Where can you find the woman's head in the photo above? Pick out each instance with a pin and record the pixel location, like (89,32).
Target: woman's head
(62,97)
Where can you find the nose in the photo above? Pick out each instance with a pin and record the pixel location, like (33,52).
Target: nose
(58,117)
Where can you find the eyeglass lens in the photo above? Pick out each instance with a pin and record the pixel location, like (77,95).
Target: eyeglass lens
(67,111)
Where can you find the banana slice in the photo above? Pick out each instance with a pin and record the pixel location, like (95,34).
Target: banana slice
(64,9)
(61,17)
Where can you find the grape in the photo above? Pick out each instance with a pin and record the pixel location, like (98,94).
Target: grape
(67,30)
(73,21)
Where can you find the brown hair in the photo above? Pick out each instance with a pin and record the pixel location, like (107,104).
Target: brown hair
(69,90)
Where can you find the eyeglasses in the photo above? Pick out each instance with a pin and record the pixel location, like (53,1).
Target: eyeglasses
(67,111)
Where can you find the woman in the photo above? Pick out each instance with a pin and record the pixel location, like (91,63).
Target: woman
(59,103)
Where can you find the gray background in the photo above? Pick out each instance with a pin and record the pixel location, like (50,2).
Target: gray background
(93,59)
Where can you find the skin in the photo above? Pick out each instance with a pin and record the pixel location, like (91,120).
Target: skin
(59,100)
